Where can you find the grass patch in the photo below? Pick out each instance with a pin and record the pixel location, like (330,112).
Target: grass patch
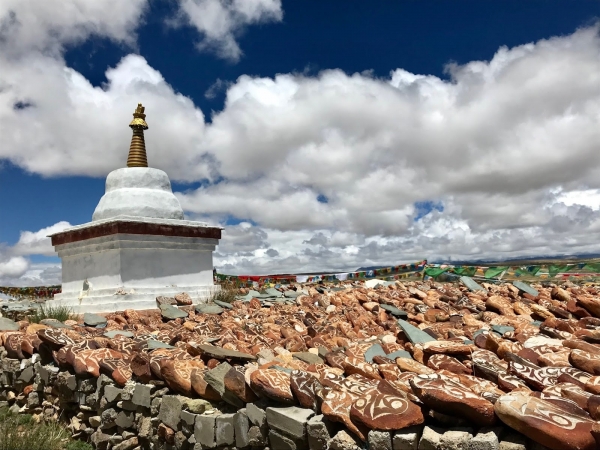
(20,432)
(226,294)
(60,313)
(79,445)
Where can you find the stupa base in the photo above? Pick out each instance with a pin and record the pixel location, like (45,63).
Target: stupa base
(126,262)
(112,300)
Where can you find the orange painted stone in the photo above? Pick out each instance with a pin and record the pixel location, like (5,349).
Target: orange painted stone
(273,384)
(177,373)
(380,411)
(450,397)
(545,422)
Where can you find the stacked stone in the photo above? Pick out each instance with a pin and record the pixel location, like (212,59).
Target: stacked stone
(402,365)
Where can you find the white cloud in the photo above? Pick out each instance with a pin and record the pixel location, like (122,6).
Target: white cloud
(17,269)
(508,147)
(220,21)
(48,25)
(38,242)
(13,267)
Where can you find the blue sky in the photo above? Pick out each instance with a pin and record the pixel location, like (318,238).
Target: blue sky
(374,133)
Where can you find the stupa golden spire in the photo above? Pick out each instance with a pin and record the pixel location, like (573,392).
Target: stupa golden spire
(137,149)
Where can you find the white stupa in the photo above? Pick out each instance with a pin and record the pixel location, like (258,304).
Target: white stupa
(138,245)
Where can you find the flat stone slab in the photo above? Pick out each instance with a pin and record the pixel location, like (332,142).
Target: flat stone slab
(472,284)
(291,420)
(8,325)
(209,308)
(114,333)
(397,312)
(399,354)
(414,335)
(308,357)
(501,329)
(274,292)
(374,350)
(223,304)
(153,344)
(93,320)
(524,287)
(223,353)
(282,369)
(172,312)
(54,323)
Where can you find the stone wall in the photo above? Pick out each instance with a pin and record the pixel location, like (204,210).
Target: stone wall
(150,416)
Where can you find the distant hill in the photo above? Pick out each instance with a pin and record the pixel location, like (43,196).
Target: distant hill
(542,259)
(363,269)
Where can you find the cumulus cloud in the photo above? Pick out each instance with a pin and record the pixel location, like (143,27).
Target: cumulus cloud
(27,25)
(220,21)
(336,170)
(17,269)
(38,242)
(13,267)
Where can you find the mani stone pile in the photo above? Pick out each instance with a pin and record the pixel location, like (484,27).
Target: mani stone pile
(396,366)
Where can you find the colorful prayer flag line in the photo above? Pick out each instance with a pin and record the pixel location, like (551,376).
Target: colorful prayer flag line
(392,272)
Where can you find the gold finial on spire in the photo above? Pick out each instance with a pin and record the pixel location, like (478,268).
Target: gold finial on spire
(137,149)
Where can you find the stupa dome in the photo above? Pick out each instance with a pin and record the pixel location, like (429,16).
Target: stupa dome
(138,192)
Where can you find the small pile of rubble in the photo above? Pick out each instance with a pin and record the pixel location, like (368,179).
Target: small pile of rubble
(396,366)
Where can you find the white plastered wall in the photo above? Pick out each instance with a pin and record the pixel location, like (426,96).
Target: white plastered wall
(128,271)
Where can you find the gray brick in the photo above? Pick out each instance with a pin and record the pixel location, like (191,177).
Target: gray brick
(204,431)
(430,439)
(112,394)
(142,395)
(513,441)
(281,442)
(381,440)
(256,415)
(455,439)
(407,439)
(241,425)
(290,421)
(170,411)
(486,439)
(320,431)
(224,431)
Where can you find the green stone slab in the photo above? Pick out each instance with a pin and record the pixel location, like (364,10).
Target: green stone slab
(281,369)
(172,312)
(223,304)
(223,353)
(394,311)
(399,354)
(93,320)
(471,284)
(244,298)
(153,344)
(414,335)
(501,329)
(8,325)
(524,287)
(374,350)
(208,308)
(274,292)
